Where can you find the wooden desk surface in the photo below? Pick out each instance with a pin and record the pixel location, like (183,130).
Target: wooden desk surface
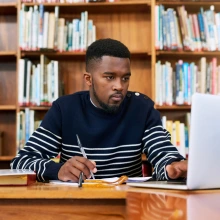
(52,191)
(172,204)
(51,202)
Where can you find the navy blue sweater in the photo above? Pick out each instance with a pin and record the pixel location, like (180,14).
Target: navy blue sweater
(115,141)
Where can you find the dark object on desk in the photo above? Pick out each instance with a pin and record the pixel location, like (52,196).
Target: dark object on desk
(80,179)
(146,168)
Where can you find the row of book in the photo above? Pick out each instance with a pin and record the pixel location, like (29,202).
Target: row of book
(177,85)
(26,125)
(179,133)
(39,84)
(66,1)
(178,30)
(39,29)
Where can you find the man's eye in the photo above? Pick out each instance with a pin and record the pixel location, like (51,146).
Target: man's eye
(126,78)
(109,77)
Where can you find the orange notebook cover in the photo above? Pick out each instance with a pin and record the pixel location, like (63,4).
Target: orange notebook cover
(13,177)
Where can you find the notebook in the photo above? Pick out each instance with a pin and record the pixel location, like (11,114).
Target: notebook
(204,147)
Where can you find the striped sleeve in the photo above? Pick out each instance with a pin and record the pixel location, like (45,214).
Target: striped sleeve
(158,147)
(44,144)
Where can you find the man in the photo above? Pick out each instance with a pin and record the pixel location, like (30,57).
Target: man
(115,127)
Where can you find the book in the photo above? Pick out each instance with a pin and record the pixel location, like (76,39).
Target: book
(17,177)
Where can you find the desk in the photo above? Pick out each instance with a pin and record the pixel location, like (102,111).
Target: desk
(172,204)
(50,202)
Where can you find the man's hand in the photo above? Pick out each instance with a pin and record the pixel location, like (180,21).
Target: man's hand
(177,169)
(72,168)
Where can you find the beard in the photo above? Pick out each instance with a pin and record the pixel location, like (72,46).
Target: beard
(110,109)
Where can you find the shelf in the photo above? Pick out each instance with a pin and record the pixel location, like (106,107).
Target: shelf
(8,5)
(8,53)
(190,3)
(106,7)
(38,108)
(6,158)
(173,107)
(89,4)
(71,54)
(190,6)
(8,8)
(188,53)
(7,107)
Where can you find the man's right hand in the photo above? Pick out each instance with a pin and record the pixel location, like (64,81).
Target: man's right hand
(72,168)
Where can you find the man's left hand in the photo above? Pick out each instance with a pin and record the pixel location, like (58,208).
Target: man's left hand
(177,169)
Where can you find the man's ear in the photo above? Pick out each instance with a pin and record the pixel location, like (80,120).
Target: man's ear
(88,78)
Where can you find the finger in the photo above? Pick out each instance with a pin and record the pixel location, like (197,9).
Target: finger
(69,171)
(93,162)
(89,163)
(172,172)
(68,174)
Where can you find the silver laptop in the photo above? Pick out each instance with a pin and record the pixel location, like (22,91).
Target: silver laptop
(204,148)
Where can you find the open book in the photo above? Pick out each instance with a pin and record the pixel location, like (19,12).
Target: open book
(16,177)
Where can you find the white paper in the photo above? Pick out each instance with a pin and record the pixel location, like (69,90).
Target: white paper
(112,179)
(11,172)
(69,183)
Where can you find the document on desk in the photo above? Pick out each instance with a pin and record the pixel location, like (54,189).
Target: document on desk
(110,180)
(59,182)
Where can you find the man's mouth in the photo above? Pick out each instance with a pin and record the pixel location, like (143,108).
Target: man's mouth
(117,97)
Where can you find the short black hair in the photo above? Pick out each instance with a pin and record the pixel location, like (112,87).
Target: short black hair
(105,47)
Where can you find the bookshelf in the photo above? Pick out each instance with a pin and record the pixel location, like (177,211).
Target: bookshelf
(130,21)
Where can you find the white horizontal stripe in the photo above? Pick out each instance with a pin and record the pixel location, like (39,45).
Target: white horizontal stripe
(159,142)
(153,140)
(158,126)
(43,142)
(127,151)
(40,147)
(120,168)
(110,164)
(66,155)
(71,151)
(159,148)
(167,153)
(50,132)
(106,148)
(46,137)
(155,132)
(118,158)
(117,174)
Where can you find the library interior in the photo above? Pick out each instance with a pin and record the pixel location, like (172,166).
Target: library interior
(166,50)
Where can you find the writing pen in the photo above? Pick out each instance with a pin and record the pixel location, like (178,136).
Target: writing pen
(83,152)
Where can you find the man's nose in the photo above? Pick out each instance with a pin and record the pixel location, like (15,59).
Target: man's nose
(118,85)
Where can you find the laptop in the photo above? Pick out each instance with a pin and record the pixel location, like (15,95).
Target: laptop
(204,148)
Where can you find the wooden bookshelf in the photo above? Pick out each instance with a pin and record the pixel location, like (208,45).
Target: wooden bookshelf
(8,91)
(8,53)
(173,107)
(7,107)
(130,21)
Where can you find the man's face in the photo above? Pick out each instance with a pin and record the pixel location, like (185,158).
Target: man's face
(110,81)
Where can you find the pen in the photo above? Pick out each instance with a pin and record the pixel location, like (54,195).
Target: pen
(83,152)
